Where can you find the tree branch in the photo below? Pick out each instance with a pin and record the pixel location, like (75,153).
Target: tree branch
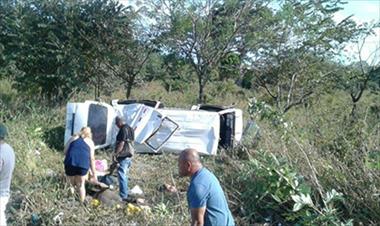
(300,101)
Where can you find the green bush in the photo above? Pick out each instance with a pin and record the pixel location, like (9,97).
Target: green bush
(332,150)
(275,193)
(9,100)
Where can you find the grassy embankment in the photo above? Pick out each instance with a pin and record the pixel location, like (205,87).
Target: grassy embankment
(321,150)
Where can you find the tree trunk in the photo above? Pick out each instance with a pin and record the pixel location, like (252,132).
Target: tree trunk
(129,89)
(201,95)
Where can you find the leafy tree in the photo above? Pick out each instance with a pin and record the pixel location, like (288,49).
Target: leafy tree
(201,32)
(230,66)
(288,52)
(129,54)
(171,70)
(60,46)
(8,38)
(357,76)
(104,28)
(40,51)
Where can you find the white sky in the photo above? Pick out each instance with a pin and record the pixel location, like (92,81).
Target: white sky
(362,11)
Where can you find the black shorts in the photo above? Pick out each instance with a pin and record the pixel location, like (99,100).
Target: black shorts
(75,171)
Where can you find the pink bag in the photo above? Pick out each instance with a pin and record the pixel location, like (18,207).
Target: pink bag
(101,165)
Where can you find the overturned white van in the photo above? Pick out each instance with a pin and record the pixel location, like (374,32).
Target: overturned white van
(158,129)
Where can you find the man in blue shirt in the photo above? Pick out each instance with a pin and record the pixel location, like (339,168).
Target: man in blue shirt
(206,199)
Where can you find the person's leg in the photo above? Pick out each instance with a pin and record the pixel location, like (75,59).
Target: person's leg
(3,205)
(80,185)
(71,182)
(123,177)
(70,177)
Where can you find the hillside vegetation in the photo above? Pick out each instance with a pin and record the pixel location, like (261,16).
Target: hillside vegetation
(318,170)
(312,156)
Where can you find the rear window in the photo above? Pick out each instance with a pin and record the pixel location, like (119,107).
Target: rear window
(97,120)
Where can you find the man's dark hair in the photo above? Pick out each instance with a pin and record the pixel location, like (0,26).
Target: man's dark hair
(120,120)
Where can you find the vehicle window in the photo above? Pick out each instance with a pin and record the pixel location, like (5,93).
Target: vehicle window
(97,120)
(164,132)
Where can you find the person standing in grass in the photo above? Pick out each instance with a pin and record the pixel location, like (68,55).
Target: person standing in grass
(122,156)
(79,158)
(205,197)
(7,164)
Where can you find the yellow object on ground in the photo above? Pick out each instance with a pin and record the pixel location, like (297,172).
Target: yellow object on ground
(95,203)
(132,209)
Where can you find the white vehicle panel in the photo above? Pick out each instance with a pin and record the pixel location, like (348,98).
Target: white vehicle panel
(77,116)
(238,125)
(197,129)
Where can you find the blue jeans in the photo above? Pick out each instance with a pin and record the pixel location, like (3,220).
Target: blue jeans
(123,176)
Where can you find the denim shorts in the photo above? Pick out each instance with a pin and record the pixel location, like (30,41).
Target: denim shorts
(75,171)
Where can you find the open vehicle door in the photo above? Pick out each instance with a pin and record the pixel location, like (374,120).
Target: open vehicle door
(180,129)
(151,127)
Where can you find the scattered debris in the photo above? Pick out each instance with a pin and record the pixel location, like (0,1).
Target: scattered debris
(140,201)
(58,218)
(35,219)
(95,203)
(108,198)
(50,173)
(136,191)
(168,188)
(132,209)
(101,166)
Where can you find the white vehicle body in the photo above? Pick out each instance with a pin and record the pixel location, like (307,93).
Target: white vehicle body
(156,129)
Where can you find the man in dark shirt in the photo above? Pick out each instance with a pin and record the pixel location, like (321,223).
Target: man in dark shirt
(124,135)
(206,199)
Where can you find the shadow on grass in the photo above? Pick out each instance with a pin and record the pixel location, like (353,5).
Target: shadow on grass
(54,138)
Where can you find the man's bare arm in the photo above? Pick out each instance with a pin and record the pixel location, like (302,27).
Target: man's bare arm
(197,216)
(119,147)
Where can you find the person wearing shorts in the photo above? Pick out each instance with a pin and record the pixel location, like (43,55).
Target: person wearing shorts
(79,159)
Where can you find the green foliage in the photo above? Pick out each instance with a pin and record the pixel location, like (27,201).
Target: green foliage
(171,70)
(62,46)
(56,48)
(300,39)
(268,184)
(230,67)
(203,33)
(41,54)
(373,160)
(221,88)
(349,141)
(8,100)
(247,80)
(262,111)
(275,193)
